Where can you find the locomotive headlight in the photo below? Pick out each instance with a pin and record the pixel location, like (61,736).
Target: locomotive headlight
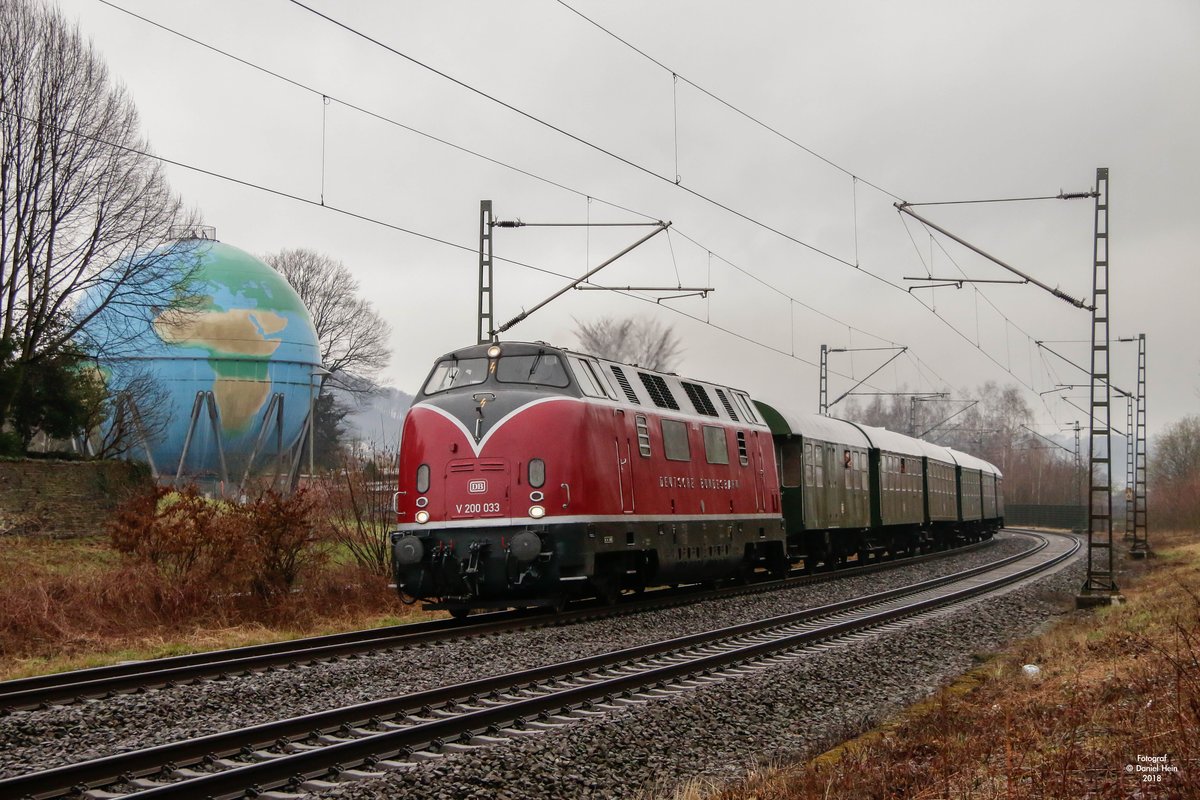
(422,517)
(493,351)
(537,512)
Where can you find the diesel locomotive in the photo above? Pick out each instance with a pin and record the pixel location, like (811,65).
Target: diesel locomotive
(530,474)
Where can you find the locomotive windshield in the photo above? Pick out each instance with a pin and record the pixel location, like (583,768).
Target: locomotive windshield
(543,368)
(453,373)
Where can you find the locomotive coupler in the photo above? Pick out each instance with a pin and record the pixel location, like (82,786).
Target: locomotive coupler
(472,572)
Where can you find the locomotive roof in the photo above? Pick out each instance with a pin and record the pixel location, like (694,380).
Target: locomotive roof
(636,386)
(969,461)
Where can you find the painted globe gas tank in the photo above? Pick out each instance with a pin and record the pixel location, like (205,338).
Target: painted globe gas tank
(242,337)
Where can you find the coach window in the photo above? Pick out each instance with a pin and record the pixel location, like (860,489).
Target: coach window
(643,433)
(675,441)
(808,465)
(716,446)
(862,470)
(790,460)
(819,464)
(847,462)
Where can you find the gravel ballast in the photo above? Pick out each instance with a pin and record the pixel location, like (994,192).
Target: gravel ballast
(717,733)
(67,734)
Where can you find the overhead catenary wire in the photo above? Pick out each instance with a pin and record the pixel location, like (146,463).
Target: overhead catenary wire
(398,228)
(585,142)
(468,151)
(726,103)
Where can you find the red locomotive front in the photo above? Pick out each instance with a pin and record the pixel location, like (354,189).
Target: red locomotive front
(529,474)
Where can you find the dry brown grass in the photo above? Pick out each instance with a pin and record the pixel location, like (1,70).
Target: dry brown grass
(1118,683)
(182,574)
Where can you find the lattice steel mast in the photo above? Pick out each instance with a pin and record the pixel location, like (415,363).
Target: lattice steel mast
(1141,544)
(1100,585)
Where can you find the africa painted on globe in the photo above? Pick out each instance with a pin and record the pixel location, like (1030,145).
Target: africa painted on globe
(243,335)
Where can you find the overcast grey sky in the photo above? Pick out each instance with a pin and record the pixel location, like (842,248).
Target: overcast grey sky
(927,100)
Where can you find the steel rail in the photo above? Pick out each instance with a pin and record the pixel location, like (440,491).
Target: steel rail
(293,768)
(65,687)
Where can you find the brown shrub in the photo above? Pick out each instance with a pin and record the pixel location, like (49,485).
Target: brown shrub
(280,539)
(185,536)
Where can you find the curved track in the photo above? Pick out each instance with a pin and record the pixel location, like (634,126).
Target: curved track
(66,687)
(306,753)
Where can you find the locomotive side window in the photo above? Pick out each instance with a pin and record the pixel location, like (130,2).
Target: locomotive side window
(716,446)
(544,368)
(598,374)
(675,441)
(643,434)
(790,461)
(743,456)
(423,479)
(537,473)
(587,381)
(452,373)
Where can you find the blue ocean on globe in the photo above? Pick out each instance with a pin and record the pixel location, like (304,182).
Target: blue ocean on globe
(239,335)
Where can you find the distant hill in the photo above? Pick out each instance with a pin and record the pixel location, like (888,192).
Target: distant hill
(374,420)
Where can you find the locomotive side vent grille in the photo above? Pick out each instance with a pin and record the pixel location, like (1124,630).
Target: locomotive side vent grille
(728,405)
(660,393)
(619,374)
(491,466)
(700,399)
(462,468)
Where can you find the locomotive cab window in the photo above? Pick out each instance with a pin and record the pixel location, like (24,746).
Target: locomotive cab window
(716,446)
(423,479)
(675,441)
(540,368)
(453,373)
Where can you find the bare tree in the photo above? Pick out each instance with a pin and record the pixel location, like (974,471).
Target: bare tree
(644,341)
(84,213)
(353,336)
(1177,451)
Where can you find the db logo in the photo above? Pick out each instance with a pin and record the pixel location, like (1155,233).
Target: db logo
(477,487)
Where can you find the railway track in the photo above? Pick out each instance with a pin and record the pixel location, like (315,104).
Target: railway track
(100,682)
(315,751)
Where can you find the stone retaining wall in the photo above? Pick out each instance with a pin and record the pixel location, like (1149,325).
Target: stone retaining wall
(64,498)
